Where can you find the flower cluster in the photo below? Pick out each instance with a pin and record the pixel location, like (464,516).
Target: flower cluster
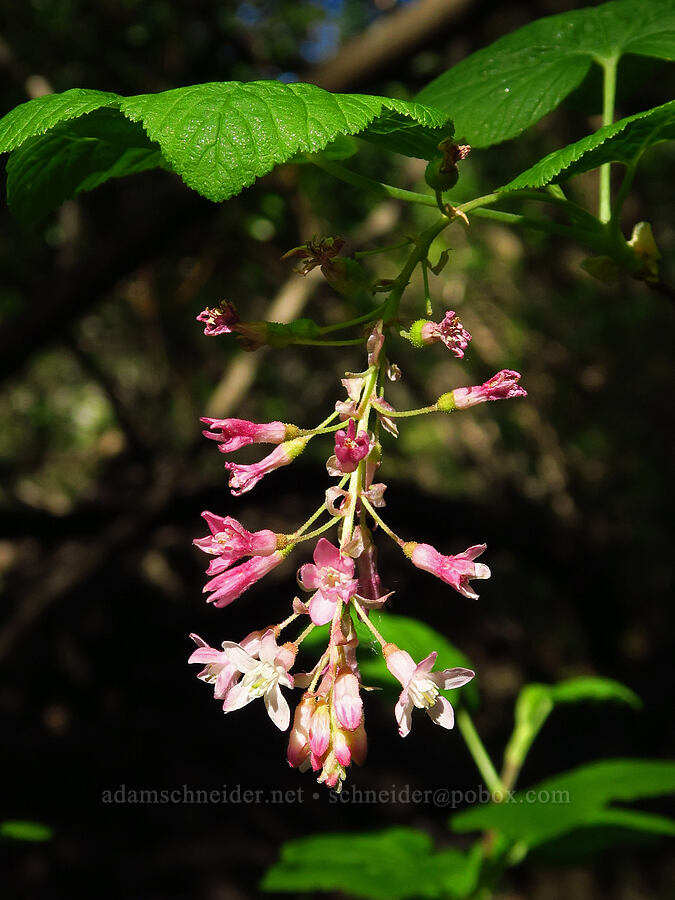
(341,587)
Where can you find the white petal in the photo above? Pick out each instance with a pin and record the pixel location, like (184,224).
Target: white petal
(442,713)
(277,708)
(238,697)
(403,713)
(451,678)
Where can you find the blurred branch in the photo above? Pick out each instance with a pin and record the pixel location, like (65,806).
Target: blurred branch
(391,37)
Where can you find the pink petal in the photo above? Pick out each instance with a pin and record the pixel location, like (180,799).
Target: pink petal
(403,713)
(427,664)
(326,555)
(321,608)
(452,678)
(308,577)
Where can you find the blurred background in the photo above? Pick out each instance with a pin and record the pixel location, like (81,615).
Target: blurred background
(104,473)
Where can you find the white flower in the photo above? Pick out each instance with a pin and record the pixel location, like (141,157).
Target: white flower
(262,677)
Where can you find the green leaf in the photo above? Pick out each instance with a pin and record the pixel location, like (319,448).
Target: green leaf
(411,635)
(536,701)
(623,141)
(577,799)
(501,90)
(590,688)
(621,826)
(42,114)
(75,156)
(395,864)
(219,137)
(20,830)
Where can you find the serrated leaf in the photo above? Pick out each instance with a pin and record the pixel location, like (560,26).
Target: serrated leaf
(417,638)
(501,90)
(623,141)
(576,799)
(51,168)
(42,114)
(218,137)
(395,864)
(21,830)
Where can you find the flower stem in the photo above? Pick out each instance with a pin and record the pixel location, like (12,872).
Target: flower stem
(367,317)
(478,752)
(316,532)
(360,253)
(406,413)
(369,184)
(363,615)
(380,521)
(315,515)
(304,634)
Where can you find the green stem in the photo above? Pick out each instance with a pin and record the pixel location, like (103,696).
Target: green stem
(360,253)
(530,222)
(380,521)
(366,317)
(317,531)
(315,515)
(376,187)
(478,752)
(366,620)
(346,343)
(608,98)
(406,413)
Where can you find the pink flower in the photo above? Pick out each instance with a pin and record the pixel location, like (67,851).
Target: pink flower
(454,570)
(232,434)
(298,753)
(229,541)
(350,447)
(331,577)
(421,687)
(502,386)
(347,700)
(219,669)
(244,478)
(229,585)
(220,319)
(263,675)
(354,387)
(451,331)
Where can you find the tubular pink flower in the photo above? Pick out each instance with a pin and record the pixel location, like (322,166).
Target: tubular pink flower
(298,753)
(244,478)
(229,585)
(421,687)
(350,447)
(454,570)
(229,541)
(262,677)
(319,729)
(502,386)
(451,331)
(347,701)
(232,434)
(219,669)
(330,577)
(220,319)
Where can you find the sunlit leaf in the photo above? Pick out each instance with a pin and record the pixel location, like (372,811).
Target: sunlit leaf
(501,90)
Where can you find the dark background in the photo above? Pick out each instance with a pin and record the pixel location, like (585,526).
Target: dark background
(104,475)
